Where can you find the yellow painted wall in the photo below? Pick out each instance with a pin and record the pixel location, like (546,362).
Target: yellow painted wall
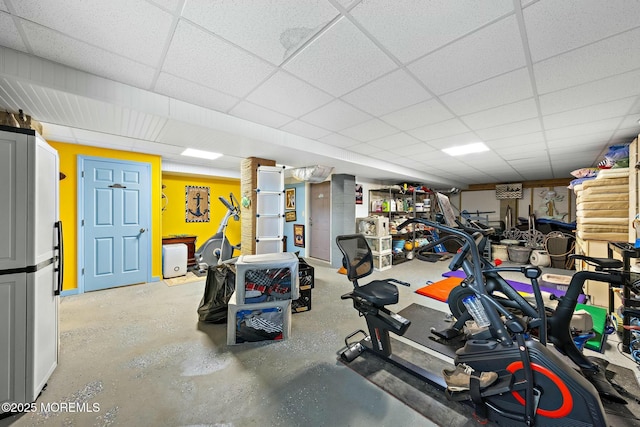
(69,203)
(173,217)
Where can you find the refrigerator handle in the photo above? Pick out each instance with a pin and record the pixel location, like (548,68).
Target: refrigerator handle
(60,248)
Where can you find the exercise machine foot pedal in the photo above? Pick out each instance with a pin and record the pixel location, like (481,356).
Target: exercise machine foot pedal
(447,334)
(504,384)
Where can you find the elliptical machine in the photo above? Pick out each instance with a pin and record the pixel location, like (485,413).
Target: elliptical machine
(557,320)
(534,386)
(217,248)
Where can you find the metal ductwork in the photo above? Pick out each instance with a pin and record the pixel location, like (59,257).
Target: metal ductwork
(312,174)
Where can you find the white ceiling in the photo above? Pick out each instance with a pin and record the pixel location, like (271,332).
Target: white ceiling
(375,88)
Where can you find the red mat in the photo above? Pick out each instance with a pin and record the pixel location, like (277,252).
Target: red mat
(440,290)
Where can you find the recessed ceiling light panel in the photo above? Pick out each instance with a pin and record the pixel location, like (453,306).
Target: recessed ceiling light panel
(461,150)
(192,152)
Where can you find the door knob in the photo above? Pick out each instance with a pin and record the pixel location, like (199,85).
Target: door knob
(142,230)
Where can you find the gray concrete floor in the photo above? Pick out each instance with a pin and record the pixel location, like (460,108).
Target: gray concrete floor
(141,355)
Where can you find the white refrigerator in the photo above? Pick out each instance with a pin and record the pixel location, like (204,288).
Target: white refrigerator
(30,264)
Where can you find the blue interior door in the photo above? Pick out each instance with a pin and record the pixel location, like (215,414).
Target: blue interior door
(116,217)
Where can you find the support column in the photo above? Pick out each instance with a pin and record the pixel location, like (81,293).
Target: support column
(343,212)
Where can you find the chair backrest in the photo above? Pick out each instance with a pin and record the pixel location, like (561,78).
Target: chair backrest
(357,256)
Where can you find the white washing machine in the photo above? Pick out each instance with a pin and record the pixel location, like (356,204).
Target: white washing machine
(174,260)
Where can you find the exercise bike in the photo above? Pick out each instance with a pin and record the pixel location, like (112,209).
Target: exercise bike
(534,386)
(217,248)
(557,328)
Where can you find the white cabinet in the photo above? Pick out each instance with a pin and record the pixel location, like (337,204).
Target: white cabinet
(14,192)
(269,209)
(13,333)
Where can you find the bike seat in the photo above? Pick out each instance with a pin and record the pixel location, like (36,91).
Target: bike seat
(378,293)
(599,263)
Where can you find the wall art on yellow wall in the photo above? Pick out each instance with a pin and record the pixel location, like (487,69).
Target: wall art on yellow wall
(196,204)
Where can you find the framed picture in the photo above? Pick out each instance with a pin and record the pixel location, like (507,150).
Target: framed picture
(290,216)
(298,235)
(196,200)
(358,194)
(290,198)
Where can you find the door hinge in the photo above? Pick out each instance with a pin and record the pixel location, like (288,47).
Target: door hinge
(82,174)
(82,223)
(83,271)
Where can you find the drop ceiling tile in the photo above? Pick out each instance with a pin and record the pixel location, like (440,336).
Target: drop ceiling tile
(3,6)
(288,95)
(340,60)
(512,129)
(431,156)
(134,29)
(422,114)
(194,93)
(504,89)
(537,174)
(413,164)
(372,129)
(76,54)
(631,122)
(515,112)
(521,152)
(305,129)
(439,130)
(382,155)
(486,161)
(583,129)
(400,141)
(10,37)
(389,93)
(441,71)
(336,115)
(594,139)
(454,140)
(271,30)
(604,90)
(258,114)
(625,135)
(169,5)
(606,58)
(201,57)
(411,28)
(589,114)
(338,140)
(366,149)
(554,28)
(535,138)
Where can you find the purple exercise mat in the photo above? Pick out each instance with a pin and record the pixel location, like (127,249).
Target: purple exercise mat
(518,286)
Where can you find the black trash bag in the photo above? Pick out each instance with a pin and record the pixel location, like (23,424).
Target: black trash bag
(220,284)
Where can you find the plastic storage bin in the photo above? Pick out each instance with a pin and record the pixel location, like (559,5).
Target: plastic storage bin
(382,262)
(379,245)
(267,277)
(376,226)
(174,260)
(268,321)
